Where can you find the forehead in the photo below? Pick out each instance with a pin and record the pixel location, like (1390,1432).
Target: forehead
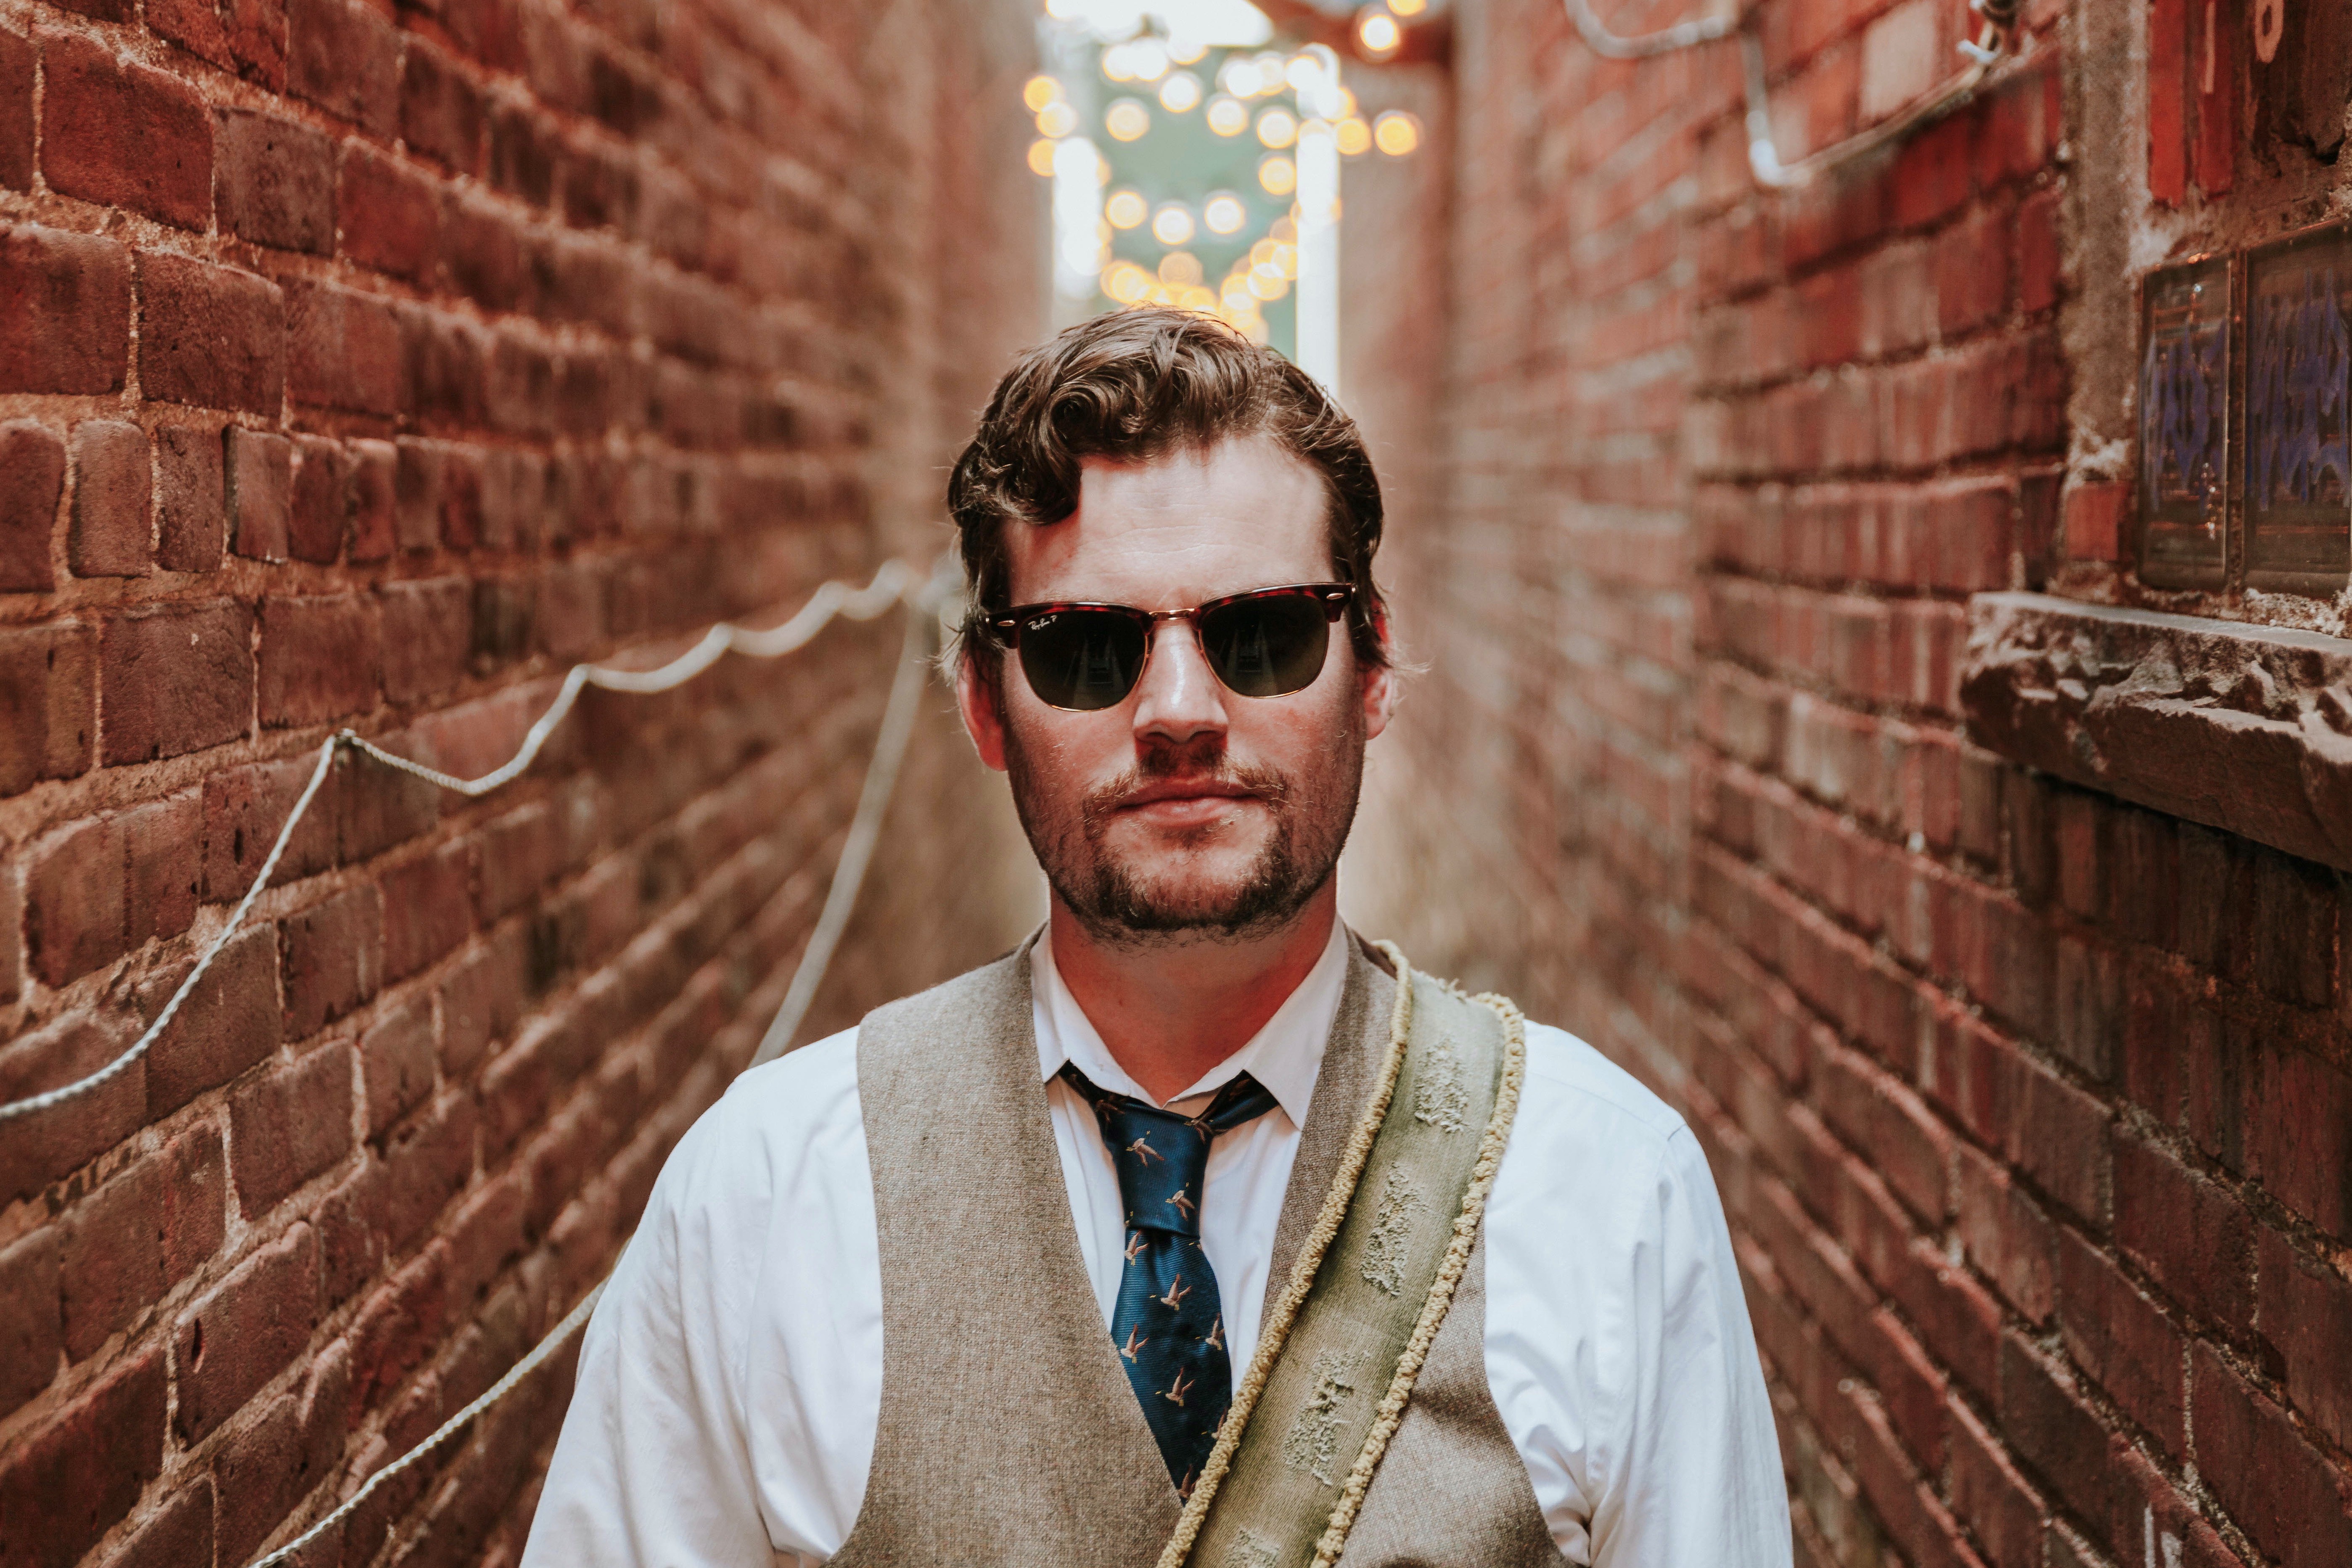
(1177,529)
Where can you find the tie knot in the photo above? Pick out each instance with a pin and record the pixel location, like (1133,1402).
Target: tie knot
(1161,1157)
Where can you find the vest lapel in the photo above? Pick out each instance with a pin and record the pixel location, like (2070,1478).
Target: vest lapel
(1008,1433)
(1358,1044)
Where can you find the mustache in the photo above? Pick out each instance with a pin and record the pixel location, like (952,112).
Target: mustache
(1200,761)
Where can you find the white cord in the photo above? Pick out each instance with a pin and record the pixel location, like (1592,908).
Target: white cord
(841,896)
(1763,156)
(893,583)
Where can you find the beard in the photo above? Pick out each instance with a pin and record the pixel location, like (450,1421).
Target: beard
(1174,890)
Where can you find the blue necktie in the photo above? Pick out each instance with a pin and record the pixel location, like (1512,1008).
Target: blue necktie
(1169,1326)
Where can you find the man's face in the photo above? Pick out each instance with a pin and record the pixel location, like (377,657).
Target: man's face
(1185,808)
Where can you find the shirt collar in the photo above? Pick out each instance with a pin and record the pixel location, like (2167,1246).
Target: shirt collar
(1283,1055)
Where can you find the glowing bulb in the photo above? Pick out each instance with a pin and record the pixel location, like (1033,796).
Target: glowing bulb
(1353,136)
(1057,118)
(1126,208)
(1396,132)
(1286,260)
(1283,231)
(1224,213)
(1379,33)
(1272,68)
(1039,92)
(1408,7)
(1115,64)
(1180,267)
(1147,58)
(1195,297)
(1126,119)
(1228,116)
(1185,52)
(1277,173)
(1125,281)
(1181,93)
(1173,224)
(1278,127)
(1041,158)
(1267,283)
(1304,73)
(1238,77)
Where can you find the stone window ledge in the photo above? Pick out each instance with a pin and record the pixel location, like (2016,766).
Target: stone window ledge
(2243,728)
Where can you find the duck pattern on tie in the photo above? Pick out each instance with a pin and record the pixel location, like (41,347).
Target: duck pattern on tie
(1169,1325)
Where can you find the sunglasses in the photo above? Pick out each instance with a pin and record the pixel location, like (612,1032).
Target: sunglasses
(1269,642)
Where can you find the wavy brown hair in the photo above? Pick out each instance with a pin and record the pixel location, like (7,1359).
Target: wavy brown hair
(1135,386)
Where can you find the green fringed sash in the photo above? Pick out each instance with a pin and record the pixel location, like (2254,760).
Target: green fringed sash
(1340,1349)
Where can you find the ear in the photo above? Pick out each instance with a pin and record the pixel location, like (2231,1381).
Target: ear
(1380,698)
(982,705)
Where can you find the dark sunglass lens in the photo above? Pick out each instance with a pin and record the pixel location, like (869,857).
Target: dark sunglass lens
(1081,659)
(1266,647)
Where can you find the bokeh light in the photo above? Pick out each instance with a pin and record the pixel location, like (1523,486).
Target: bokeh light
(1173,224)
(1181,93)
(1353,136)
(1224,212)
(1377,32)
(1228,116)
(1040,90)
(1180,267)
(1057,118)
(1125,281)
(1238,77)
(1124,207)
(1278,127)
(1126,119)
(1041,158)
(1408,7)
(1396,132)
(1277,175)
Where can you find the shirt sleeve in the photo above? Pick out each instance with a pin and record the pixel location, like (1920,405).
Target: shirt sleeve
(1692,1475)
(653,1469)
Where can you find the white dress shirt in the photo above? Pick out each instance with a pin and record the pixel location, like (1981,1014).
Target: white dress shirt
(731,1380)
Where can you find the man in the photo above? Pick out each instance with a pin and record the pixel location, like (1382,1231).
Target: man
(978,1281)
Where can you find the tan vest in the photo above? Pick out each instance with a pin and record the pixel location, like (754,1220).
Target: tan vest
(1009,1434)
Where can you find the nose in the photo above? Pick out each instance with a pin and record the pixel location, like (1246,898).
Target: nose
(1179,697)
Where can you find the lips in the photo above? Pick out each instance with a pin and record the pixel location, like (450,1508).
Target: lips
(1166,791)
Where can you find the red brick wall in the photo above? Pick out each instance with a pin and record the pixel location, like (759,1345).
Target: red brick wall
(370,365)
(2033,1109)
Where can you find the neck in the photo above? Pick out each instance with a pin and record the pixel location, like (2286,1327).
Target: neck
(1170,1011)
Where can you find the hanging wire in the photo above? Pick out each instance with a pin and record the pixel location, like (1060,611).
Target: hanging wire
(896,583)
(849,876)
(1763,155)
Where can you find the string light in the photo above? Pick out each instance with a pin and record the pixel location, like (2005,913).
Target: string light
(1224,213)
(1377,32)
(1126,119)
(1056,120)
(1041,158)
(1227,116)
(1278,127)
(1173,224)
(1181,93)
(1126,208)
(1353,136)
(1040,90)
(1396,132)
(1277,175)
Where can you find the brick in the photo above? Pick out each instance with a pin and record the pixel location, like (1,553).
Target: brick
(16,111)
(112,533)
(266,1470)
(482,1000)
(319,506)
(65,311)
(396,1059)
(321,658)
(163,852)
(2094,524)
(343,350)
(2306,1160)
(392,1201)
(287,1126)
(48,709)
(191,499)
(391,214)
(230,1022)
(2306,1316)
(427,629)
(138,1235)
(2186,1230)
(260,500)
(372,492)
(247,36)
(64,1138)
(2276,1487)
(344,57)
(485,253)
(177,1534)
(69,1482)
(2124,1340)
(331,958)
(2168,90)
(428,910)
(123,134)
(74,916)
(212,337)
(244,809)
(397,1329)
(505,615)
(276,182)
(32,1326)
(234,1339)
(32,480)
(377,809)
(440,108)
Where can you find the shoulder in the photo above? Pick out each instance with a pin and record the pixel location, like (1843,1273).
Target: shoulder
(782,1131)
(1572,1089)
(1591,1140)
